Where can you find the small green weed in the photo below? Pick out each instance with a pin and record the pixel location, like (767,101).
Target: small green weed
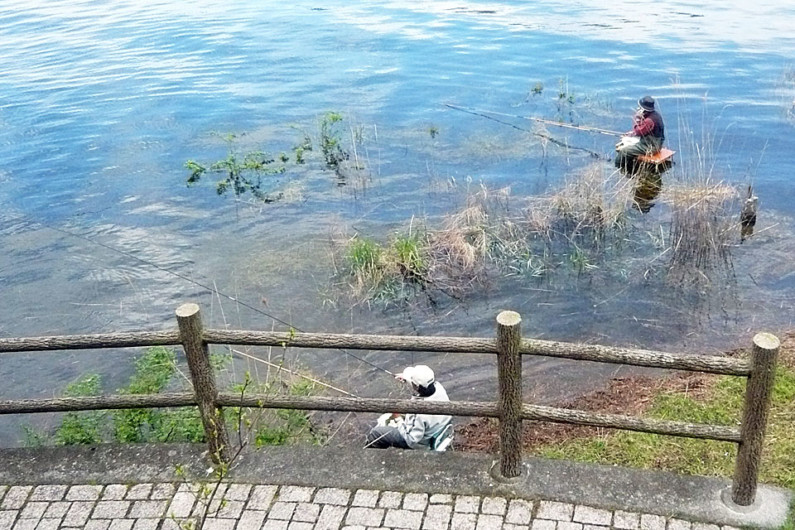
(81,427)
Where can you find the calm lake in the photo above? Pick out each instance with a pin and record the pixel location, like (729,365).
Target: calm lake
(102,102)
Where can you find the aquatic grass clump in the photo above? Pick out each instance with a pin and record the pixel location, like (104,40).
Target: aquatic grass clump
(387,273)
(704,224)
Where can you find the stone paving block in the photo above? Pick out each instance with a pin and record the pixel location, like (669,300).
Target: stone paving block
(543,524)
(464,521)
(300,526)
(261,497)
(594,527)
(274,524)
(679,524)
(121,524)
(336,496)
(705,526)
(403,519)
(556,511)
(365,498)
(726,527)
(111,509)
(26,524)
(250,520)
(441,498)
(566,525)
(489,522)
(306,512)
(437,517)
(415,501)
(229,509)
(493,505)
(595,516)
(507,526)
(216,499)
(626,520)
(354,527)
(49,492)
(520,512)
(390,499)
(238,492)
(114,492)
(181,504)
(7,518)
(282,510)
(50,524)
(97,524)
(213,523)
(365,516)
(295,494)
(147,524)
(15,497)
(139,492)
(83,492)
(330,517)
(467,504)
(78,513)
(34,510)
(162,492)
(57,510)
(148,509)
(652,522)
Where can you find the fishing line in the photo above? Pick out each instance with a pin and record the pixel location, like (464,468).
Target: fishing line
(541,135)
(187,279)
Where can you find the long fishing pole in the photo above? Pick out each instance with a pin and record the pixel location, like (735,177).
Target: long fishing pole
(189,280)
(534,133)
(481,112)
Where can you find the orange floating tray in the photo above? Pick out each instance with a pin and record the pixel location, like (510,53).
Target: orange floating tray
(661,156)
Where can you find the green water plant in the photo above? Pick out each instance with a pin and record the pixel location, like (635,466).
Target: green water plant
(331,140)
(240,172)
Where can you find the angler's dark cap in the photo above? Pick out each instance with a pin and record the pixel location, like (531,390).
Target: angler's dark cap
(646,103)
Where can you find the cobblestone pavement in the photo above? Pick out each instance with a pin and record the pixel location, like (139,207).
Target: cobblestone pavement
(179,506)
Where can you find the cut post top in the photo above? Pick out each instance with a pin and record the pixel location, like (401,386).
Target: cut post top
(187,310)
(509,318)
(766,341)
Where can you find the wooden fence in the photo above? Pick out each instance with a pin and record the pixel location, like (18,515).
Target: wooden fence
(509,346)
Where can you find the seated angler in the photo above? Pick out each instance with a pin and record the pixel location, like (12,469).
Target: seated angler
(415,431)
(645,138)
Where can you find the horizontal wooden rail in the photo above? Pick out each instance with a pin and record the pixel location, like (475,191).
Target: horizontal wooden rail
(631,423)
(76,404)
(453,408)
(89,342)
(564,350)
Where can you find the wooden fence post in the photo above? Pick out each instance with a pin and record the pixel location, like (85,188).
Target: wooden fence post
(757,404)
(201,372)
(509,370)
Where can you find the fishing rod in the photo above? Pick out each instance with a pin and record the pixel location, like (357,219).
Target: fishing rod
(534,133)
(479,112)
(187,279)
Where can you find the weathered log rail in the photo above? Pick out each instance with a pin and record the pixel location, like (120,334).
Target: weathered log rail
(509,409)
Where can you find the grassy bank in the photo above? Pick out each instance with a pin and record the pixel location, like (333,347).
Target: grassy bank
(689,397)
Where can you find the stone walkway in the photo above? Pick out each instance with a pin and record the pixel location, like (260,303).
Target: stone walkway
(179,506)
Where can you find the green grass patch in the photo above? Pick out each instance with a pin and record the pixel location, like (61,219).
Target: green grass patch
(721,404)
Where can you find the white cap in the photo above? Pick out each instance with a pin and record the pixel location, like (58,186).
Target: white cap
(419,375)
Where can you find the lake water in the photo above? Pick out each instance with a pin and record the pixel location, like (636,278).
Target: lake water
(102,102)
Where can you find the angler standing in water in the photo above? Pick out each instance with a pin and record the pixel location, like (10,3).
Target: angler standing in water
(645,138)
